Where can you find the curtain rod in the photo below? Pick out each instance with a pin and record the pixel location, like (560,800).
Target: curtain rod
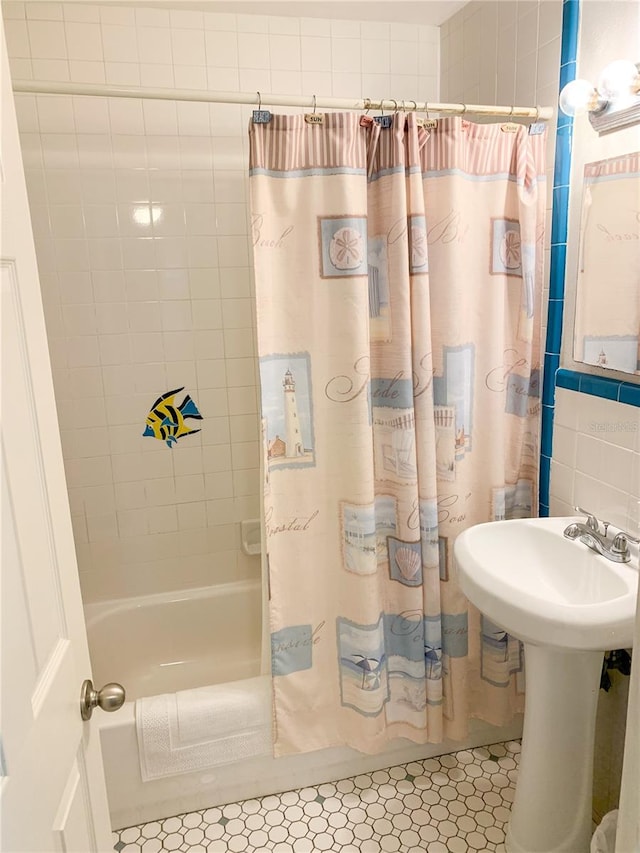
(253,98)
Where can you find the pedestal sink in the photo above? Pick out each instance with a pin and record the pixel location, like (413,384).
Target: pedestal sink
(568,605)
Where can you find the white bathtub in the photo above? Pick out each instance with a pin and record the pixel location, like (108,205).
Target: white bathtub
(174,641)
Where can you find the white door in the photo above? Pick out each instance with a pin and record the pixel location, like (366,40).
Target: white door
(52,791)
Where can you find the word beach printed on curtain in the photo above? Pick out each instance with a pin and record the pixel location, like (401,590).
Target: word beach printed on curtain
(398,328)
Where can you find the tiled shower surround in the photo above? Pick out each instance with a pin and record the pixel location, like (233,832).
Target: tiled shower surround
(456,803)
(139,209)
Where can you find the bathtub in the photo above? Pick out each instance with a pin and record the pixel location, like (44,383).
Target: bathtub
(174,641)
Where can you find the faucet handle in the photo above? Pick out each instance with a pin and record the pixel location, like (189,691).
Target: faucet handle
(621,545)
(630,538)
(592,521)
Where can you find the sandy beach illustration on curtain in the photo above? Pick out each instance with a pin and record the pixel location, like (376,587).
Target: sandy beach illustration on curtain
(287,410)
(364,534)
(453,399)
(394,437)
(363,666)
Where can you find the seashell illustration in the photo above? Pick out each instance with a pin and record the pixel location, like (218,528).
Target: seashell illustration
(408,562)
(346,250)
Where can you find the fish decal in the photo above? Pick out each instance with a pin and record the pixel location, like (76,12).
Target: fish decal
(166,421)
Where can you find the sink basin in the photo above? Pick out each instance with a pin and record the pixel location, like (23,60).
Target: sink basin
(545,589)
(568,605)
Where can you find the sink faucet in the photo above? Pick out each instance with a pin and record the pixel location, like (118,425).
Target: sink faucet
(616,549)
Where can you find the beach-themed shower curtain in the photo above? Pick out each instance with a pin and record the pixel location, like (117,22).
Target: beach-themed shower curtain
(398,277)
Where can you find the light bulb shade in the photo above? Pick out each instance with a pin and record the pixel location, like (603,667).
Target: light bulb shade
(576,97)
(618,79)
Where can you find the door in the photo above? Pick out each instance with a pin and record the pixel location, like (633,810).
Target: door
(52,791)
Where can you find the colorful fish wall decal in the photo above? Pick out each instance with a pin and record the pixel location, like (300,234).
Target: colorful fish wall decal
(166,421)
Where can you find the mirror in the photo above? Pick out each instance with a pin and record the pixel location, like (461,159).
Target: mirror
(607,325)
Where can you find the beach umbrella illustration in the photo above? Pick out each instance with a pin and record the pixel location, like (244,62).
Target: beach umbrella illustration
(433,659)
(369,667)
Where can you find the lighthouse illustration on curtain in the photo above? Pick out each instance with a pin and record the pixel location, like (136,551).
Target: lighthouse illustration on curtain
(293,439)
(287,410)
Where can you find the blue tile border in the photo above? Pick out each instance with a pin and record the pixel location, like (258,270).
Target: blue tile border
(554,376)
(559,224)
(599,386)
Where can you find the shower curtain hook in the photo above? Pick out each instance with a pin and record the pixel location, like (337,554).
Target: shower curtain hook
(395,105)
(415,105)
(259,100)
(314,104)
(367,105)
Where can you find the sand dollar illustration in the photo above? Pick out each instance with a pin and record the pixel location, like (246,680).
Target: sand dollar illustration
(346,249)
(510,250)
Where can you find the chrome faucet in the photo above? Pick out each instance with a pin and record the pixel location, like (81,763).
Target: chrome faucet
(616,549)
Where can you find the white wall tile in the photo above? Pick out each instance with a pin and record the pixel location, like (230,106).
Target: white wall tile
(17,36)
(221,49)
(84,41)
(154,45)
(188,47)
(47,39)
(13,10)
(284,51)
(119,43)
(253,50)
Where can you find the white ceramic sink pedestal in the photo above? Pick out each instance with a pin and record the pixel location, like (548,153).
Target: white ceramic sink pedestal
(568,605)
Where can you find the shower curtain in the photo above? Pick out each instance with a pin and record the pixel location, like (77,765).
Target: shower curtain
(398,282)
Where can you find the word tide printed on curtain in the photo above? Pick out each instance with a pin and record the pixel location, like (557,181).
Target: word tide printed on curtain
(398,278)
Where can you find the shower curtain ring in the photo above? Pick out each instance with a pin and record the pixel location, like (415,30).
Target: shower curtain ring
(259,100)
(395,105)
(314,104)
(415,105)
(367,105)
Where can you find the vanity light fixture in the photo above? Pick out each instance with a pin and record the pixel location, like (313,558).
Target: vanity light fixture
(614,104)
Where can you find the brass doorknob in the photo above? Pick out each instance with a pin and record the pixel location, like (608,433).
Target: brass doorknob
(110,698)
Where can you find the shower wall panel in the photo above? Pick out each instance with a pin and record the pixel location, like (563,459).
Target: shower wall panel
(144,246)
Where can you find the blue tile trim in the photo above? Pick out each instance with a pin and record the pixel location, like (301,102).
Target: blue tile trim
(546,438)
(561,178)
(598,386)
(559,223)
(562,168)
(567,73)
(556,277)
(568,379)
(551,364)
(629,394)
(545,470)
(554,325)
(570,27)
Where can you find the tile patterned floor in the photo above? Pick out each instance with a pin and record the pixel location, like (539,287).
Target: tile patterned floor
(456,803)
